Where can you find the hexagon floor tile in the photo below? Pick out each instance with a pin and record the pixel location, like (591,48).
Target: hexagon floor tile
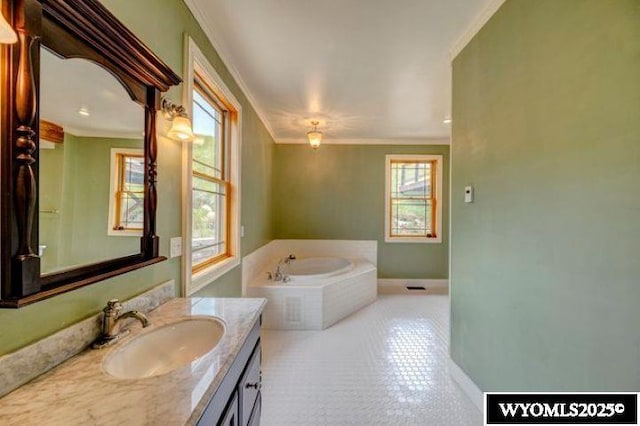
(384,365)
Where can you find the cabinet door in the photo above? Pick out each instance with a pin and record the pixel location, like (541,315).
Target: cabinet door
(230,417)
(249,387)
(257,411)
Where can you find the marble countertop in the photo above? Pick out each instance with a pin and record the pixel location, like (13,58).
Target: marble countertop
(80,392)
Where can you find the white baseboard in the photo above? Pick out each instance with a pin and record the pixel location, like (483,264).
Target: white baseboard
(399,285)
(468,386)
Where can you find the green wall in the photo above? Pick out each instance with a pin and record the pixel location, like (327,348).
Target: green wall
(85,212)
(164,34)
(51,163)
(337,192)
(546,125)
(75,180)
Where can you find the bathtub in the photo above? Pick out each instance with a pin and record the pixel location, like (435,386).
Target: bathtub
(317,268)
(321,291)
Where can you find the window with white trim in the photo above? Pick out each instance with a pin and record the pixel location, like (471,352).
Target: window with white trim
(211,175)
(413,198)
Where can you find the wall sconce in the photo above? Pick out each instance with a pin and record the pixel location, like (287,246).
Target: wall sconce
(7,34)
(181,129)
(315,136)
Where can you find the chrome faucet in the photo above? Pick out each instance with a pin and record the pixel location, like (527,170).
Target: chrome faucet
(278,275)
(111,320)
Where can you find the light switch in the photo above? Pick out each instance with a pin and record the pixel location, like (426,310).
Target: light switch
(242,231)
(468,194)
(176,247)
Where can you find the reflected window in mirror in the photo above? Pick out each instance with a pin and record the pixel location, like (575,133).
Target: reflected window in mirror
(126,207)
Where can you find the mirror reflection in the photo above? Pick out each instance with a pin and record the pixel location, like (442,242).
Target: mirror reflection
(91,165)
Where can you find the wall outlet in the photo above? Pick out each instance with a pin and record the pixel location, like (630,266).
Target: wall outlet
(176,247)
(468,194)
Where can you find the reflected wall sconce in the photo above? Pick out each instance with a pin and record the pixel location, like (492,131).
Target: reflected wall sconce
(7,34)
(315,136)
(181,129)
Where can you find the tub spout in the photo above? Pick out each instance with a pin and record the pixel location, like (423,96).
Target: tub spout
(278,275)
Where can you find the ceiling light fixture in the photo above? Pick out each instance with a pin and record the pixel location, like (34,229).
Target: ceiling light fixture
(181,129)
(447,120)
(84,111)
(315,136)
(7,34)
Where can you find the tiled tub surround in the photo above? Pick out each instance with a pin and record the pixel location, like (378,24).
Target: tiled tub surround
(80,392)
(315,304)
(255,264)
(25,364)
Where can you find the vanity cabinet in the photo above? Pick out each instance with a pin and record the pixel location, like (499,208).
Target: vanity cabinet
(231,415)
(238,401)
(249,388)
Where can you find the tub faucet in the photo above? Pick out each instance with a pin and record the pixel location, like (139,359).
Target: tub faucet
(110,321)
(289,258)
(278,276)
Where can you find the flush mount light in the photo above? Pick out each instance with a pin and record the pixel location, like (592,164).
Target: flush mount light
(7,34)
(84,111)
(315,136)
(181,129)
(447,120)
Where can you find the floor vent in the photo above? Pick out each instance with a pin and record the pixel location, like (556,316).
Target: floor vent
(415,287)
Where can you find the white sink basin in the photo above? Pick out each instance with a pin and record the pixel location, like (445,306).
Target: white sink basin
(165,349)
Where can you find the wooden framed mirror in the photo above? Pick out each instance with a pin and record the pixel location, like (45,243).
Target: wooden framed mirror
(76,47)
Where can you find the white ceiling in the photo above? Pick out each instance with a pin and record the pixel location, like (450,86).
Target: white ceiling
(66,85)
(365,69)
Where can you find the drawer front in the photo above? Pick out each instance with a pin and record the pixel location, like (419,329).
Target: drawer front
(249,387)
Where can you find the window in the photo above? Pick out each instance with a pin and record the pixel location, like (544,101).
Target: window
(210,185)
(413,198)
(126,201)
(211,175)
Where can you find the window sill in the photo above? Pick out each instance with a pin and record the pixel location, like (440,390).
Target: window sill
(437,240)
(203,278)
(114,233)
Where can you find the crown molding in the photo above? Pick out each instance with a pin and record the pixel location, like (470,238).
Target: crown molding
(476,25)
(395,141)
(220,49)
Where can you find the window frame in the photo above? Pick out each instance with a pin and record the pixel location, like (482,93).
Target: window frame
(197,65)
(436,209)
(115,181)
(208,95)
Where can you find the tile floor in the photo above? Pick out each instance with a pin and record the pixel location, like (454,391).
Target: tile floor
(384,365)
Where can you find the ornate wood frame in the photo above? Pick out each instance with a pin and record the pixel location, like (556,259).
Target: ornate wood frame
(72,29)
